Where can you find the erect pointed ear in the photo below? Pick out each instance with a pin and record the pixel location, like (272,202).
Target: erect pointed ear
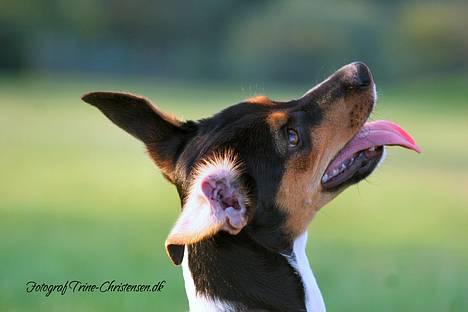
(163,134)
(216,202)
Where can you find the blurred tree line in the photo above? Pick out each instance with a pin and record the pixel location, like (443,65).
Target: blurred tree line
(233,39)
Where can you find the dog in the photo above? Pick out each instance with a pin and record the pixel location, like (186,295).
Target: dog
(250,180)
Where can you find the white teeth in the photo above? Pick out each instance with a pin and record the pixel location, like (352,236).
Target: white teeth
(325,178)
(333,173)
(372,149)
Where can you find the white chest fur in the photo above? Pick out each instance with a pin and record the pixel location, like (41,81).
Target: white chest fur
(313,296)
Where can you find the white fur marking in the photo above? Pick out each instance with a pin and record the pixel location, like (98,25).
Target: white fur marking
(313,296)
(374,91)
(199,219)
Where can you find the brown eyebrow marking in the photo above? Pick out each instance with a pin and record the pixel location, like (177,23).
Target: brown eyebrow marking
(260,99)
(277,119)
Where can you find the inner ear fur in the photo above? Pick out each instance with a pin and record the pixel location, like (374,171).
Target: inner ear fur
(163,134)
(216,202)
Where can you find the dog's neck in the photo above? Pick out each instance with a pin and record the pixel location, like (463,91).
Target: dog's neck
(231,273)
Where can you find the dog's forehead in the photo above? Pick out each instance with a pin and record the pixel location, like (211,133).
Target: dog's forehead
(243,128)
(254,129)
(261,109)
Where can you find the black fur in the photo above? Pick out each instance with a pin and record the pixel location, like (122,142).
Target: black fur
(236,269)
(248,270)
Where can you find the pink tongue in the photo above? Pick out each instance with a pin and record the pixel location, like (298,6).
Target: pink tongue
(376,133)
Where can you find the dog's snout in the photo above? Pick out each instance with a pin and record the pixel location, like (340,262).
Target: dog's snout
(350,80)
(363,75)
(356,75)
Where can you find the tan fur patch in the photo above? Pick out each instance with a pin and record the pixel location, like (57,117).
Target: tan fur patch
(260,99)
(300,193)
(277,119)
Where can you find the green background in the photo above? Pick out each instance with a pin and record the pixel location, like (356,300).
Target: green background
(81,200)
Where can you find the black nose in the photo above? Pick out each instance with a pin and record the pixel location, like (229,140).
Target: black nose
(363,74)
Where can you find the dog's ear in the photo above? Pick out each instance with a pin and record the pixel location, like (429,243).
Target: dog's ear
(216,202)
(162,134)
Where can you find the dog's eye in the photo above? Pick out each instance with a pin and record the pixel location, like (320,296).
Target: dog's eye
(293,137)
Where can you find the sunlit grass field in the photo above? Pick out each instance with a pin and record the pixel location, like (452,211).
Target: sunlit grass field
(80,200)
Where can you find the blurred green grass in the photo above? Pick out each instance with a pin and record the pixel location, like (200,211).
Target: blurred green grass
(79,199)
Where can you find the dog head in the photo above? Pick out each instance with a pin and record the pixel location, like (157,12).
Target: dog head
(261,166)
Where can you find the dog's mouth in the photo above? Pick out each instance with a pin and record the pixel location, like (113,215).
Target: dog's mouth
(360,156)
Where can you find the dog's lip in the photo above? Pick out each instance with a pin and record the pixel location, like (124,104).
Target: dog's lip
(372,136)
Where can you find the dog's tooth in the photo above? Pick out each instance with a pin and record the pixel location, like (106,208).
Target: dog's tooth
(343,167)
(325,177)
(372,149)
